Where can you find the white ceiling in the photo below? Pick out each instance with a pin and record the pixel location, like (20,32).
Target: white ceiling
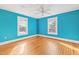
(34,10)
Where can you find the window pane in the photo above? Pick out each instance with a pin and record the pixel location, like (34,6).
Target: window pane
(52,25)
(22,26)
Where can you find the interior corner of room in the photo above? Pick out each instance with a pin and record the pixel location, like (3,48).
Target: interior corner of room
(43,22)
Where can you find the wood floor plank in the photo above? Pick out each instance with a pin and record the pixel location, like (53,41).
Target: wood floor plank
(40,46)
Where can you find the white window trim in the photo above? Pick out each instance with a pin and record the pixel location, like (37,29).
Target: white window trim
(18,33)
(56,33)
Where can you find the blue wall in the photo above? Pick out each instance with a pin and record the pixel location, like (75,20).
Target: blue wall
(8,25)
(68,25)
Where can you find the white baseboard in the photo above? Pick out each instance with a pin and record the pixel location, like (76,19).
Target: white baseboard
(69,40)
(14,40)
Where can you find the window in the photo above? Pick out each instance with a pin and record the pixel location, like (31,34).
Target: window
(22,26)
(52,26)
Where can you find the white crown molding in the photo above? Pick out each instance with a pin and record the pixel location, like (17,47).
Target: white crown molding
(34,10)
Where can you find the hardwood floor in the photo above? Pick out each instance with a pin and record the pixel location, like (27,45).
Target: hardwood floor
(40,46)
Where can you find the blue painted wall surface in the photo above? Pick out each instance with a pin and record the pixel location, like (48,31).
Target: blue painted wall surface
(8,25)
(68,25)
